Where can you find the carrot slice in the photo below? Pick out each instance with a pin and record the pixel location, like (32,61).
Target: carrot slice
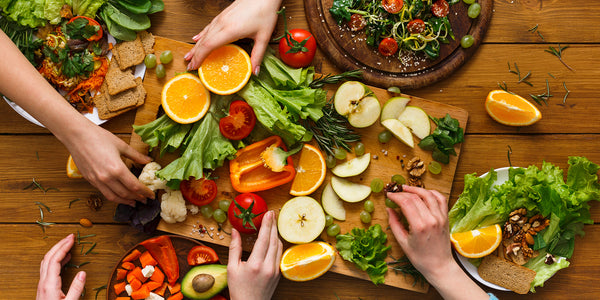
(128,265)
(123,298)
(135,284)
(152,285)
(119,287)
(141,293)
(174,288)
(121,274)
(176,296)
(132,256)
(161,290)
(147,259)
(158,275)
(136,273)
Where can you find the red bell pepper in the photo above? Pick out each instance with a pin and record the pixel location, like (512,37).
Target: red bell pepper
(161,248)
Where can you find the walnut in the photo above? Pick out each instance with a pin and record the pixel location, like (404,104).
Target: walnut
(416,167)
(415,181)
(550,259)
(520,211)
(95,202)
(538,222)
(392,187)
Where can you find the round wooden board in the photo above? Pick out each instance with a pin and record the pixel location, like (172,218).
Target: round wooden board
(349,51)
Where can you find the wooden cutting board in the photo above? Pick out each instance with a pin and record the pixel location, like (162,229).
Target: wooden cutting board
(349,51)
(387,160)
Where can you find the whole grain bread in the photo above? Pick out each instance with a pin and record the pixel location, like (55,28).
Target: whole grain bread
(129,53)
(128,98)
(147,41)
(506,274)
(118,80)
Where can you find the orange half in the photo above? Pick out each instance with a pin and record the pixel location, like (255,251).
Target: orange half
(478,242)
(511,109)
(226,70)
(184,99)
(310,171)
(307,261)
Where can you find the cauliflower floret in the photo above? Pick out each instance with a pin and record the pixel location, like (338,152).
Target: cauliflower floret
(172,207)
(194,209)
(149,179)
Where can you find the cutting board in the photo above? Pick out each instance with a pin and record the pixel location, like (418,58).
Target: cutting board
(349,51)
(387,160)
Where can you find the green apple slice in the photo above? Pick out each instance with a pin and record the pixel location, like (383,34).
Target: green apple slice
(356,102)
(332,203)
(352,167)
(301,220)
(399,131)
(417,120)
(393,108)
(350,191)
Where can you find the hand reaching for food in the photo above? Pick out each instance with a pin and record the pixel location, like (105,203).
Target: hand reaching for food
(49,286)
(242,19)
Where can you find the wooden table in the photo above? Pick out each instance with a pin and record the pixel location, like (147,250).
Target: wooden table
(571,128)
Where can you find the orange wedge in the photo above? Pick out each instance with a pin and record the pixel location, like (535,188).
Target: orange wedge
(72,170)
(184,99)
(310,172)
(511,109)
(478,242)
(307,261)
(226,70)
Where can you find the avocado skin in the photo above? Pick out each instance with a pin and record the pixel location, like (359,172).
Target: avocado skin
(219,272)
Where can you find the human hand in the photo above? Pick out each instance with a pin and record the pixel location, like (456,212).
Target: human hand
(49,287)
(242,19)
(256,278)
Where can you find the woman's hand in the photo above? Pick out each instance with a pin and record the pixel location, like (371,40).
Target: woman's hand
(256,278)
(242,19)
(49,287)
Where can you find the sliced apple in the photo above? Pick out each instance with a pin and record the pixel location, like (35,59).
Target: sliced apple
(417,120)
(393,108)
(332,203)
(350,191)
(356,102)
(399,131)
(352,167)
(301,220)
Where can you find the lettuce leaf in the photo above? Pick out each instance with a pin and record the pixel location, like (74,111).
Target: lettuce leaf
(26,13)
(544,271)
(164,131)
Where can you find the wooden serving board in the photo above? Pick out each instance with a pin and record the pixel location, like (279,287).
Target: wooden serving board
(349,51)
(387,160)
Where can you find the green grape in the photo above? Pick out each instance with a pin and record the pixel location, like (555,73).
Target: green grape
(365,217)
(385,136)
(474,10)
(399,179)
(467,41)
(359,149)
(389,203)
(339,153)
(328,220)
(150,61)
(330,161)
(207,211)
(224,204)
(166,57)
(469,1)
(219,215)
(160,71)
(333,230)
(369,206)
(377,185)
(435,167)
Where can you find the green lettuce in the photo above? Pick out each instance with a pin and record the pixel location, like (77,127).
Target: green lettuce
(26,13)
(87,8)
(543,270)
(52,10)
(164,132)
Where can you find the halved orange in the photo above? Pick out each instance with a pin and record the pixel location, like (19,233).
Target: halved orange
(307,261)
(511,109)
(184,98)
(72,170)
(310,171)
(226,70)
(478,242)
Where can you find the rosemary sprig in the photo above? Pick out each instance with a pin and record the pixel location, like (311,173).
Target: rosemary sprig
(72,265)
(43,205)
(90,249)
(551,75)
(508,153)
(404,266)
(566,94)
(41,221)
(37,155)
(332,79)
(34,185)
(541,36)
(518,73)
(331,130)
(73,201)
(533,29)
(98,289)
(542,98)
(558,53)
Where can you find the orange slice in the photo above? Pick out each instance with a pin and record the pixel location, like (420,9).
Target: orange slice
(72,170)
(184,99)
(226,70)
(310,172)
(478,242)
(511,109)
(307,261)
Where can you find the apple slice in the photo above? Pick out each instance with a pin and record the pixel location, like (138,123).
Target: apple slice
(332,204)
(350,191)
(417,120)
(352,167)
(399,131)
(356,102)
(393,108)
(301,220)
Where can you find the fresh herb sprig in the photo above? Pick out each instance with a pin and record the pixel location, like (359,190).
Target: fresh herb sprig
(447,134)
(405,267)
(516,71)
(542,98)
(566,94)
(333,79)
(558,53)
(331,130)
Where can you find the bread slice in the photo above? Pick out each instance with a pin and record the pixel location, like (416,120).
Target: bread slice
(506,274)
(147,41)
(117,80)
(129,54)
(128,98)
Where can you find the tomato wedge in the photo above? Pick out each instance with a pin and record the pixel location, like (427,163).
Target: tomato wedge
(392,6)
(90,22)
(388,46)
(240,121)
(440,8)
(198,191)
(200,255)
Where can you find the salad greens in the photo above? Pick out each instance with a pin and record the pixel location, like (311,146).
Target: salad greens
(447,134)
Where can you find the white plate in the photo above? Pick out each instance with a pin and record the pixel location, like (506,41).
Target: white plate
(140,71)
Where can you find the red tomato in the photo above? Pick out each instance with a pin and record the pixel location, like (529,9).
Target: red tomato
(388,46)
(240,121)
(218,297)
(357,22)
(440,8)
(392,6)
(299,50)
(198,191)
(200,255)
(416,26)
(91,22)
(249,217)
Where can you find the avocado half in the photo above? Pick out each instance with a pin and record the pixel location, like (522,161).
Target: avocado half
(218,272)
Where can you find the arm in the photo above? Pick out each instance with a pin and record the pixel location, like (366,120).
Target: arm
(97,152)
(49,287)
(427,242)
(242,19)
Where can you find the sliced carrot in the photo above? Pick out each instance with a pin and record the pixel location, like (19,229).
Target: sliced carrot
(174,288)
(158,275)
(128,265)
(121,274)
(147,259)
(161,290)
(136,273)
(176,296)
(123,298)
(135,284)
(132,256)
(141,293)
(120,287)
(152,285)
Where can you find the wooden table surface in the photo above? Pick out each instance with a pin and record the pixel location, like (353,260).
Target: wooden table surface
(567,129)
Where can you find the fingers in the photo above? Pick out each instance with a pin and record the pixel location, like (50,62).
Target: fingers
(397,228)
(258,52)
(262,242)
(429,199)
(51,264)
(235,249)
(442,202)
(412,207)
(111,196)
(77,286)
(134,155)
(274,250)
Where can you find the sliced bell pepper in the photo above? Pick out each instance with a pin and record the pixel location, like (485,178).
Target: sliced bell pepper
(248,172)
(161,248)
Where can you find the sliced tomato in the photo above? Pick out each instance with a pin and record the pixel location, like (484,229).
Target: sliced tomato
(198,191)
(200,255)
(392,6)
(388,47)
(357,22)
(440,8)
(91,22)
(416,26)
(240,121)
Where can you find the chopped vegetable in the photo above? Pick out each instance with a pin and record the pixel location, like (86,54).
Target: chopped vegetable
(135,254)
(146,259)
(163,251)
(275,158)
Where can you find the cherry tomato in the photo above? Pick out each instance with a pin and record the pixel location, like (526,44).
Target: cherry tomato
(249,217)
(91,22)
(296,54)
(388,46)
(240,121)
(198,191)
(392,6)
(416,26)
(357,22)
(440,8)
(200,255)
